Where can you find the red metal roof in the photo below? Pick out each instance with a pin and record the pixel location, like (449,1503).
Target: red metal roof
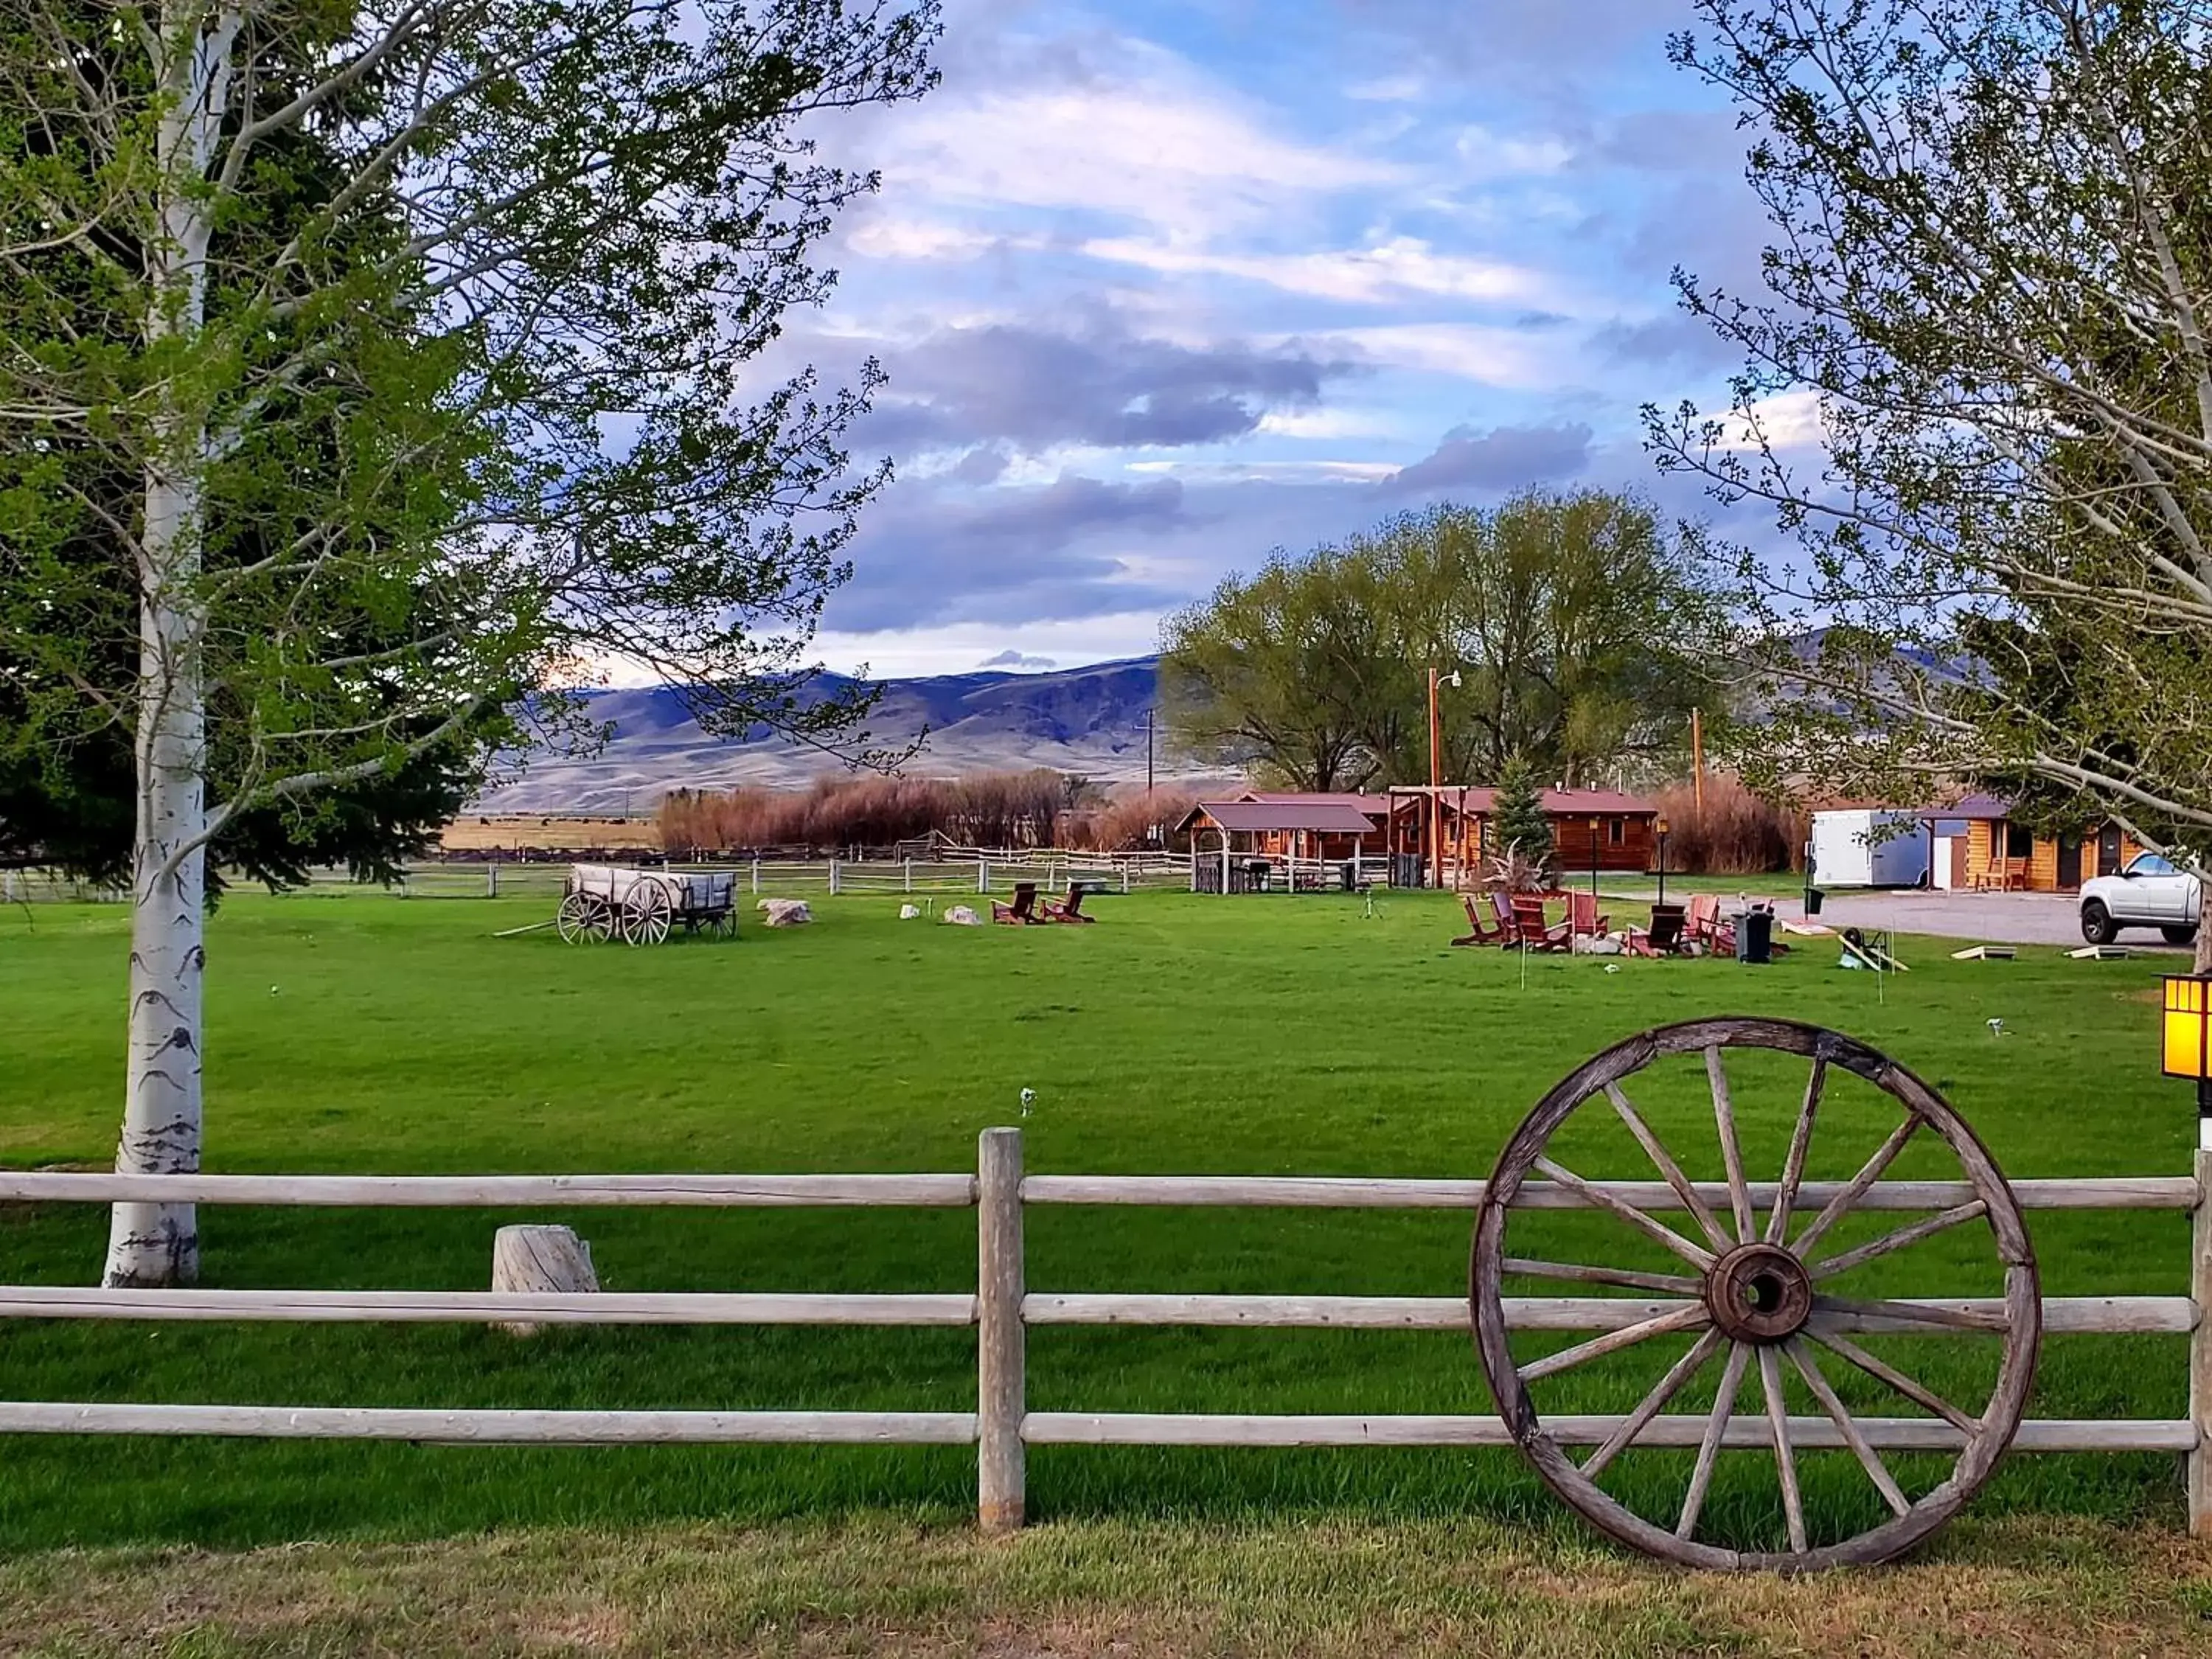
(1376,806)
(1560,803)
(1319,813)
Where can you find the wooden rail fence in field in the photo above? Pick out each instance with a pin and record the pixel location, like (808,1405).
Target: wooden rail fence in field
(1002,1310)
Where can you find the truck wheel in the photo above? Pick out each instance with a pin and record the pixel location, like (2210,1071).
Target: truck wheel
(2179,935)
(2097,924)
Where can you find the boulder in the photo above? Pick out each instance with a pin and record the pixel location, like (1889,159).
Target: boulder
(786,911)
(909,912)
(961,915)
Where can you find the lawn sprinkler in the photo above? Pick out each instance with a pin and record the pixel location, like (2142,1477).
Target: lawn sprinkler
(1996,1027)
(1028,1099)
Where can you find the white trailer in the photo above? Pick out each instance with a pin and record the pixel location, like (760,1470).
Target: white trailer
(1869,847)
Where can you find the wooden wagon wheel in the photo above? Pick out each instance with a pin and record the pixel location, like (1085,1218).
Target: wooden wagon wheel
(1757,1298)
(579,917)
(646,914)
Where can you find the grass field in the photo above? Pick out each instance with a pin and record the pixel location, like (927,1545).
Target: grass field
(1182,1033)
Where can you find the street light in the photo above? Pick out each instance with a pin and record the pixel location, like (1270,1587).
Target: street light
(1594,824)
(1436,774)
(1661,826)
(2186,1042)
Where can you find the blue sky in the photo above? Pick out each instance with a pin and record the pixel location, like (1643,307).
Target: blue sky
(1160,287)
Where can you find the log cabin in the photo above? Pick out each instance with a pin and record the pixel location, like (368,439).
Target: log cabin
(1600,827)
(2002,852)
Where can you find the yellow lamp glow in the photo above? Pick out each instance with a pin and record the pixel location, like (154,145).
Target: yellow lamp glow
(2186,1033)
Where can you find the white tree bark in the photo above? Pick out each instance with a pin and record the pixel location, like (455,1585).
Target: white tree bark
(159,1243)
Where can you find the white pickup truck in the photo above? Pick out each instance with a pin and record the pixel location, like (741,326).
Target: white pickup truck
(2149,893)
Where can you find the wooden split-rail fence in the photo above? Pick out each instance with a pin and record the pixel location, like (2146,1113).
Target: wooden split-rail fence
(1002,1309)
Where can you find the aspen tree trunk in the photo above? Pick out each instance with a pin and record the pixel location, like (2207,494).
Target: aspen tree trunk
(159,1243)
(2203,962)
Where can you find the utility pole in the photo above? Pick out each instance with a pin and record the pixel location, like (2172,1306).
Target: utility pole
(1698,760)
(1436,787)
(1148,753)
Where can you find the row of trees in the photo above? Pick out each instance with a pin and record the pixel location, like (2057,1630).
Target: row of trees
(1575,624)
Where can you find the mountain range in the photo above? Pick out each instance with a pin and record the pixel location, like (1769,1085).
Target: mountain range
(1089,721)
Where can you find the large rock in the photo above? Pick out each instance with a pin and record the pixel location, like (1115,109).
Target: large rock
(786,911)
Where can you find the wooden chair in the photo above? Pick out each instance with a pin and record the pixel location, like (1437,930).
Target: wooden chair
(1583,916)
(1664,936)
(1023,911)
(1702,924)
(1070,910)
(1532,932)
(1479,931)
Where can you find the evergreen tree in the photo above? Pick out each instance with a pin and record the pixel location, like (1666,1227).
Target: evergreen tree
(1517,819)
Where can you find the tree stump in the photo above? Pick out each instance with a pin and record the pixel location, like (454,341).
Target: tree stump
(538,1258)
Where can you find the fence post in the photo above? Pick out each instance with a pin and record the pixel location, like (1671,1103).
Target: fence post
(2200,1349)
(982,875)
(832,877)
(755,875)
(1000,1362)
(491,881)
(910,875)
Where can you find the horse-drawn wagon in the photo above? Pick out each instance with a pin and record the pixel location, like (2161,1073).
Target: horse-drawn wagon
(642,907)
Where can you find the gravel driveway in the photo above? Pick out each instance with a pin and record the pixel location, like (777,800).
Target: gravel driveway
(1991,918)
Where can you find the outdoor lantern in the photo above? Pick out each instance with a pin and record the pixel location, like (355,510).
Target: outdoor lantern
(2186,1041)
(1596,823)
(1659,825)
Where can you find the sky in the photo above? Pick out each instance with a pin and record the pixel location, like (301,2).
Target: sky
(1162,285)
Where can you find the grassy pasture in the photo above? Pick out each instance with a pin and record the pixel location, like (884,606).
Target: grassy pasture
(1182,1033)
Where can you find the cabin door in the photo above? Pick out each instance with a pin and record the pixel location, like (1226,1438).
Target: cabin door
(2108,850)
(2069,862)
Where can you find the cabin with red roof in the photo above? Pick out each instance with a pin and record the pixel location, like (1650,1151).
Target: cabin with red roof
(1591,828)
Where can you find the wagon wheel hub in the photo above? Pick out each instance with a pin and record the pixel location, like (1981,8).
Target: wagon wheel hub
(1759,1293)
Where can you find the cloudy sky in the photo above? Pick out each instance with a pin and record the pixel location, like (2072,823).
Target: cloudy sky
(1162,284)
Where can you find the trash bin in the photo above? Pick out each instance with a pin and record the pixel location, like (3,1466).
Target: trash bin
(1814,896)
(1754,936)
(1345,879)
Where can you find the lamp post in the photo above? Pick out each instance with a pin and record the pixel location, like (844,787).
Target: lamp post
(1661,826)
(1436,772)
(1594,824)
(2185,1042)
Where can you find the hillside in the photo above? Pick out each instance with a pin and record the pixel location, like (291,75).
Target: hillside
(1089,721)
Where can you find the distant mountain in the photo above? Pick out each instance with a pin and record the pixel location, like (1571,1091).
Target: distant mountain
(1089,721)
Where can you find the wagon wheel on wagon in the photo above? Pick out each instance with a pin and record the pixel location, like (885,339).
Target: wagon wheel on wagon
(1756,1299)
(581,916)
(646,913)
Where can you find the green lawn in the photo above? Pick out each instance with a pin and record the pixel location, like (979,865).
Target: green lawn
(1181,1034)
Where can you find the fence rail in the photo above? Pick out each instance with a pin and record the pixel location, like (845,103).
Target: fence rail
(1002,1309)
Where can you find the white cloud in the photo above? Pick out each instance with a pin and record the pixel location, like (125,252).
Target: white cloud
(1472,351)
(955,648)
(1325,424)
(1491,155)
(1372,275)
(1389,89)
(1162,145)
(881,237)
(1288,472)
(1787,420)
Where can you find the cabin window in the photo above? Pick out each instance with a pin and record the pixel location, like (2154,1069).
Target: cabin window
(1616,830)
(2019,842)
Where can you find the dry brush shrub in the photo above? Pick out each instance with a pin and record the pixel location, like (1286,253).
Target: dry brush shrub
(1122,822)
(1738,833)
(997,809)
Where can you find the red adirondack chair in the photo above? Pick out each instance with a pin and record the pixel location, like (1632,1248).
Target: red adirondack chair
(1023,911)
(1479,931)
(1703,925)
(1530,929)
(1583,916)
(1071,908)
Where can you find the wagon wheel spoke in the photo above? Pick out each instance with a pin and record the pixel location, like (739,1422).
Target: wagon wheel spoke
(1653,1403)
(1708,1448)
(1926,1228)
(1832,1313)
(1686,1318)
(1856,1188)
(1627,1278)
(1785,1455)
(1731,1150)
(1801,1356)
(1662,1161)
(1696,1256)
(1793,1167)
(1884,1372)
